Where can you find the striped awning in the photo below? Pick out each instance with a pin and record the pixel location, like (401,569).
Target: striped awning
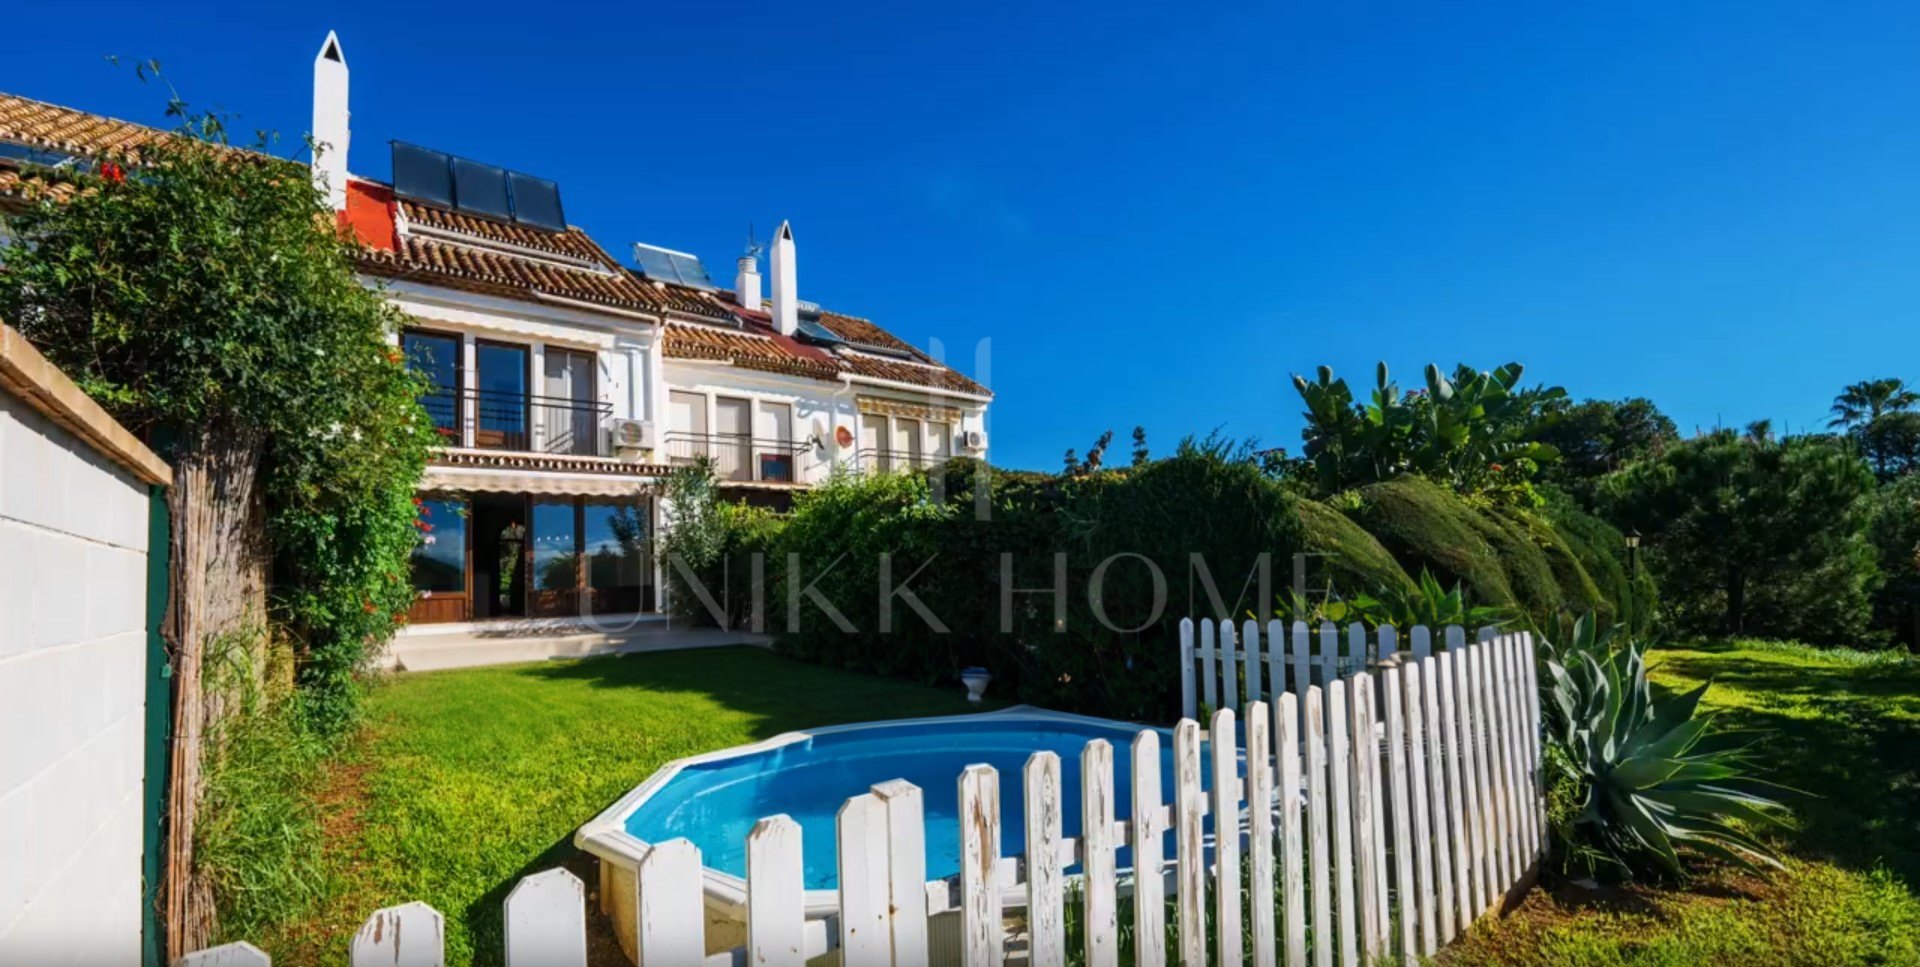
(507,481)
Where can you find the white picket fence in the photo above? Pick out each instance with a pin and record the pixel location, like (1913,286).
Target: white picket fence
(1368,841)
(1222,666)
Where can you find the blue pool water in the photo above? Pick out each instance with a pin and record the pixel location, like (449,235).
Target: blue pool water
(715,804)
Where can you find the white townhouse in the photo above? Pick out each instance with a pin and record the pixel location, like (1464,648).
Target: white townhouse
(566,383)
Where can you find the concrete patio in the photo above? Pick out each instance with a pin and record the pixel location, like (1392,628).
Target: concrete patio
(472,644)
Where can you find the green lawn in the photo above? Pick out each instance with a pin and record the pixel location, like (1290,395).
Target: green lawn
(1841,726)
(468,780)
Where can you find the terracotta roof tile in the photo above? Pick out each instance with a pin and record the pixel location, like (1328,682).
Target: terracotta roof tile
(864,333)
(45,125)
(17,184)
(686,340)
(572,243)
(506,273)
(932,376)
(687,300)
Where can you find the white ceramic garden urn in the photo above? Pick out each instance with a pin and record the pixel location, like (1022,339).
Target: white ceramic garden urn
(976,679)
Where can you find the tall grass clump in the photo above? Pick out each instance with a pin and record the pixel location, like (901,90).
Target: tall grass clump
(259,837)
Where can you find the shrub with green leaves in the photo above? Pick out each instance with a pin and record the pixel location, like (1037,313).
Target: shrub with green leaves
(1429,604)
(1752,534)
(201,294)
(1633,778)
(1468,430)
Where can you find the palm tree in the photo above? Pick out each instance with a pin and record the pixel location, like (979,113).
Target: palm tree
(1869,400)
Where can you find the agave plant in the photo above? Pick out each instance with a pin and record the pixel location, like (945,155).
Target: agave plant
(1427,603)
(1645,776)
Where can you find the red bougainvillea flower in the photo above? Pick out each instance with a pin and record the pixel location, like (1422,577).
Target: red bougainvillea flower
(113,172)
(368,607)
(393,356)
(1496,468)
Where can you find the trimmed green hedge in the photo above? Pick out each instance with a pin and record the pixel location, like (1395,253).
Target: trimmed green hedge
(1129,576)
(1602,549)
(1428,527)
(1351,559)
(1536,589)
(955,535)
(1578,592)
(1539,561)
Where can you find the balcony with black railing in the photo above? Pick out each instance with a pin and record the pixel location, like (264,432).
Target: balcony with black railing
(518,421)
(738,458)
(877,460)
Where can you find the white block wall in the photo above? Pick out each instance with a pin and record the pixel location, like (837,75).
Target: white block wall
(73,551)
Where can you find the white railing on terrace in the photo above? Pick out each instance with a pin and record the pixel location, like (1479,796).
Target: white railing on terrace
(1372,837)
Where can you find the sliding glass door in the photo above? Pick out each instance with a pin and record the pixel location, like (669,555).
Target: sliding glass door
(436,356)
(566,413)
(501,388)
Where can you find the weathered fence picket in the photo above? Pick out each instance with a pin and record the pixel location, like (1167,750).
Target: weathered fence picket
(1402,838)
(1226,839)
(1365,806)
(1379,814)
(1101,946)
(775,911)
(1318,809)
(1287,739)
(409,935)
(1147,828)
(862,829)
(982,931)
(1260,836)
(671,924)
(1189,836)
(1339,783)
(546,920)
(1047,934)
(241,954)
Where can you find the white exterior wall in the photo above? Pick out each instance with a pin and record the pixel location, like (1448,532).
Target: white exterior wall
(635,377)
(73,581)
(818,408)
(626,350)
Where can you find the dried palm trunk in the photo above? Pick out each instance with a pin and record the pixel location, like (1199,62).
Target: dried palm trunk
(217,574)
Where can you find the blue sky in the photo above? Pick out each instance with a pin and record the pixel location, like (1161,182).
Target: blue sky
(1157,213)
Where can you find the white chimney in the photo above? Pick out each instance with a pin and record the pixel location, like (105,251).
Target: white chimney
(330,132)
(746,283)
(786,306)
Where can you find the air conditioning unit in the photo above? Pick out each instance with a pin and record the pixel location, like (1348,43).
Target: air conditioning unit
(629,437)
(973,440)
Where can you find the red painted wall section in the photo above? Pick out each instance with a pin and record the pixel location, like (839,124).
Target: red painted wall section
(369,215)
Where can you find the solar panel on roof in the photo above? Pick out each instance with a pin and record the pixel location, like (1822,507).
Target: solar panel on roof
(667,265)
(422,174)
(691,271)
(445,181)
(536,202)
(812,329)
(481,189)
(655,263)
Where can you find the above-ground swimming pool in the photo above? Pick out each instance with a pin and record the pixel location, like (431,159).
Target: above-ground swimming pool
(715,799)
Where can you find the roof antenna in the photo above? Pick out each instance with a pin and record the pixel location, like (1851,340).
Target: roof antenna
(754,249)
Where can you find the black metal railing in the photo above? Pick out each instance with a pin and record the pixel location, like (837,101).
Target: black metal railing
(738,457)
(518,421)
(879,460)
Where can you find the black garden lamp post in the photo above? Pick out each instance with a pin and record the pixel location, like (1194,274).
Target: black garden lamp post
(1633,553)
